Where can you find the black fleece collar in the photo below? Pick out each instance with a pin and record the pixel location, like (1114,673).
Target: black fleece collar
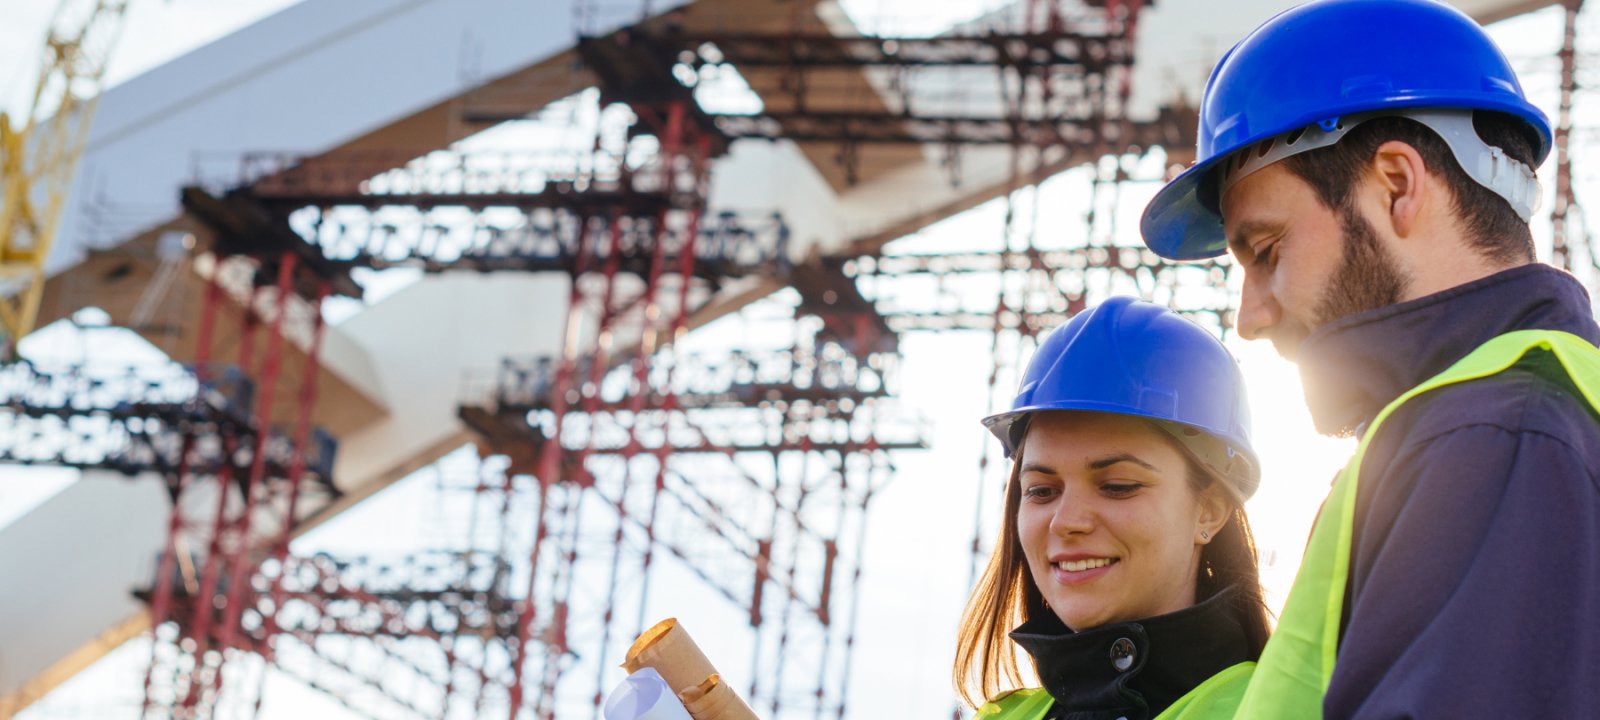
(1136,669)
(1354,366)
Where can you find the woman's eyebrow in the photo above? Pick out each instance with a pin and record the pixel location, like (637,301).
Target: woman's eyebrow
(1110,460)
(1038,468)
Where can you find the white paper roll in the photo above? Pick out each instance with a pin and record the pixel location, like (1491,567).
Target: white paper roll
(644,696)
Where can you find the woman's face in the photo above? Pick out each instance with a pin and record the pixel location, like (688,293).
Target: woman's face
(1109,524)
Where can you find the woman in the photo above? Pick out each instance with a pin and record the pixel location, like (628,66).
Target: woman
(1125,566)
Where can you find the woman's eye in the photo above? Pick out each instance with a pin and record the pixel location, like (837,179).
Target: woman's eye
(1119,489)
(1039,492)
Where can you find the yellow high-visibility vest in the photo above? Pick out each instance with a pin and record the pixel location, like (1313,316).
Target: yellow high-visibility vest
(1297,664)
(1215,698)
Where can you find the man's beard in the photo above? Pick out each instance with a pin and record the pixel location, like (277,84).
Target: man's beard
(1367,279)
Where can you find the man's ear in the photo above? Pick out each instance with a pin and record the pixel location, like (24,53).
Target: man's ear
(1215,509)
(1400,175)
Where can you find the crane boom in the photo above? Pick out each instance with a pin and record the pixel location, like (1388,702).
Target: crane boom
(39,152)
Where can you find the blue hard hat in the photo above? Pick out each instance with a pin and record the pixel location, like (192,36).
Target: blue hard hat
(1130,357)
(1320,62)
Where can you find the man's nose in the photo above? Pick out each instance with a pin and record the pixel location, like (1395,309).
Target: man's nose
(1258,309)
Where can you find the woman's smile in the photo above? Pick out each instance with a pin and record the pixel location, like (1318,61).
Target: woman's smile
(1078,570)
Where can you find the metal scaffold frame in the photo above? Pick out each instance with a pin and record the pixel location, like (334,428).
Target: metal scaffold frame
(627,458)
(202,643)
(578,422)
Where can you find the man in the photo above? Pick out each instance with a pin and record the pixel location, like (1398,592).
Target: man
(1369,163)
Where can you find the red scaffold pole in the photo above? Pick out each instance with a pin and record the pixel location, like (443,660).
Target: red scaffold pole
(549,464)
(640,392)
(302,436)
(256,481)
(203,611)
(680,320)
(161,597)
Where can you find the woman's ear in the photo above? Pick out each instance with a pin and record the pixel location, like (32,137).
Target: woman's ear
(1215,507)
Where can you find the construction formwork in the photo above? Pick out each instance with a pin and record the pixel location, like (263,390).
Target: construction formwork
(195,639)
(143,419)
(750,470)
(237,481)
(416,636)
(419,636)
(1048,84)
(615,242)
(753,471)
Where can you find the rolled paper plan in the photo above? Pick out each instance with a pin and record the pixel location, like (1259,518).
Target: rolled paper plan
(643,695)
(714,699)
(668,649)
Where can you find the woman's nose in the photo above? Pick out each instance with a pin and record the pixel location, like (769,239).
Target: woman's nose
(1072,516)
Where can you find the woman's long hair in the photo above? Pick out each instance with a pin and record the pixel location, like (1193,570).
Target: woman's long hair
(1006,596)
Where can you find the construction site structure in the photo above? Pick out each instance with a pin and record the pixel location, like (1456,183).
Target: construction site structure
(752,471)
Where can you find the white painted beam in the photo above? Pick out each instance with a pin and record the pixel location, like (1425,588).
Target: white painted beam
(69,568)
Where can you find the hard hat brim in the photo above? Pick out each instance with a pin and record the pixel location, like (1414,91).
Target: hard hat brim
(1177,226)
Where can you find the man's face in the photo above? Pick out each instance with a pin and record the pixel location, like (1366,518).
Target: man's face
(1304,264)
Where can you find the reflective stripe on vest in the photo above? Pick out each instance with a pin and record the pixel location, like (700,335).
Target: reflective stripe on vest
(1297,664)
(1214,699)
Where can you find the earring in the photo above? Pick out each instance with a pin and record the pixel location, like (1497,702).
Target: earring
(1204,535)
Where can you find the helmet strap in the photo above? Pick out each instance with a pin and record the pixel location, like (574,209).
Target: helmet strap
(1486,164)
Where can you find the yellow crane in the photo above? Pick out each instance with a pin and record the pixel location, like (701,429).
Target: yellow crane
(39,151)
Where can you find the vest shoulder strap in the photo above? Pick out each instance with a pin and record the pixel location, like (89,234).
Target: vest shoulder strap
(1215,699)
(1028,704)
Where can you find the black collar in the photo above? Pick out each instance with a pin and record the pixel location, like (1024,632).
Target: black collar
(1134,670)
(1354,366)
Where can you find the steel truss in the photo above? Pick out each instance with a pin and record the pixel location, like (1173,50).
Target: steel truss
(764,465)
(754,471)
(421,636)
(157,419)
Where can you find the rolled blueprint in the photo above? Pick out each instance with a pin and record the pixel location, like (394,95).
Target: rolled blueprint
(714,699)
(668,649)
(643,695)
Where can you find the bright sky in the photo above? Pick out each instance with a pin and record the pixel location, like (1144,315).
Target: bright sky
(917,560)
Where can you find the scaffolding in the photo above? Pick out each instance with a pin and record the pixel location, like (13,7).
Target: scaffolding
(144,419)
(624,457)
(257,503)
(753,471)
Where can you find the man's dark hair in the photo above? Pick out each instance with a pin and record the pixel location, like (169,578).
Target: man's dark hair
(1491,225)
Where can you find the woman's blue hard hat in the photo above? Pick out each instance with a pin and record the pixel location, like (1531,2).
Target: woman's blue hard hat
(1129,357)
(1317,63)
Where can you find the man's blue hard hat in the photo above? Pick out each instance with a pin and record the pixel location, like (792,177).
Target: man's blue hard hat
(1317,63)
(1129,357)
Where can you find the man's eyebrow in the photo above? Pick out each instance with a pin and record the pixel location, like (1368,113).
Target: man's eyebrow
(1110,460)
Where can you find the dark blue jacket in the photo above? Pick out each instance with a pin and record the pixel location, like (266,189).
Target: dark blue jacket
(1475,566)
